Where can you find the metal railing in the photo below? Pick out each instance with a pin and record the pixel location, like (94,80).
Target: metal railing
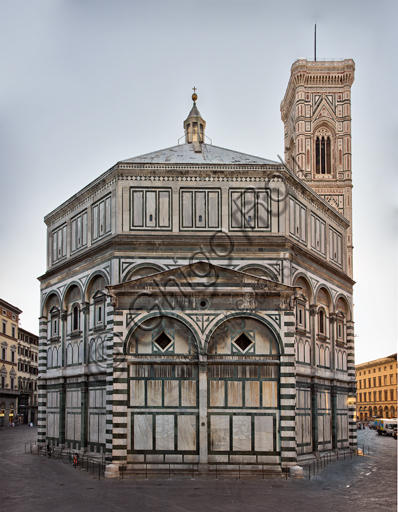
(317,465)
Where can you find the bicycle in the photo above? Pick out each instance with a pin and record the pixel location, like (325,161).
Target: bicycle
(69,458)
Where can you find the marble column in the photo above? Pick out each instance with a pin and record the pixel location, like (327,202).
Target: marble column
(333,393)
(62,405)
(63,319)
(85,312)
(313,329)
(314,411)
(84,416)
(203,426)
(332,336)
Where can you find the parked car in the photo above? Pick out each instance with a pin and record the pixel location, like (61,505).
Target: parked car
(394,434)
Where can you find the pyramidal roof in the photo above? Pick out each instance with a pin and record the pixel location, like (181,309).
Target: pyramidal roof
(185,154)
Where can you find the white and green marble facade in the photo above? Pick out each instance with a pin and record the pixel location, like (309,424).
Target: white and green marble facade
(123,275)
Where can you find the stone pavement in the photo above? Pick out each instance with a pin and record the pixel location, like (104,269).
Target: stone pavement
(34,483)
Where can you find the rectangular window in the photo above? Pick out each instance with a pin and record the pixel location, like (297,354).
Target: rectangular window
(385,395)
(374,396)
(250,209)
(200,209)
(379,396)
(12,382)
(318,234)
(391,379)
(364,397)
(335,247)
(379,381)
(150,209)
(385,380)
(297,218)
(391,394)
(3,353)
(12,356)
(79,232)
(374,382)
(360,397)
(4,327)
(59,244)
(369,383)
(102,218)
(13,331)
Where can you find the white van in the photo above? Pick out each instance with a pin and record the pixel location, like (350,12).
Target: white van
(385,425)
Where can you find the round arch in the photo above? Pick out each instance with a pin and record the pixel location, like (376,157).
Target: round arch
(342,297)
(305,278)
(52,293)
(155,266)
(235,315)
(66,292)
(325,287)
(156,314)
(97,273)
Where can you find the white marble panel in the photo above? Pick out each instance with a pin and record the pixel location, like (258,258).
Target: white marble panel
(188,393)
(102,425)
(263,433)
(242,433)
(252,393)
(137,393)
(50,425)
(219,433)
(217,393)
(235,394)
(165,432)
(270,393)
(154,393)
(78,423)
(70,426)
(186,432)
(142,432)
(93,428)
(171,393)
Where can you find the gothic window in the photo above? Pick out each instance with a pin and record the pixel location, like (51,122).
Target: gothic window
(323,152)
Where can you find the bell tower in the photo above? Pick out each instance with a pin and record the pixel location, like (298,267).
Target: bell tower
(316,112)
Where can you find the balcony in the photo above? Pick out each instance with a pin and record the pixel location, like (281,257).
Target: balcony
(9,391)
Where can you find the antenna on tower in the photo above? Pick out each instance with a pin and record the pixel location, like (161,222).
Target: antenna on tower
(315,43)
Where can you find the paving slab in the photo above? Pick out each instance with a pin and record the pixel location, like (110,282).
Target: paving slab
(35,483)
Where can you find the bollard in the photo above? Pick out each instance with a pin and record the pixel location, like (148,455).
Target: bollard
(239,471)
(193,472)
(146,471)
(216,473)
(169,472)
(263,473)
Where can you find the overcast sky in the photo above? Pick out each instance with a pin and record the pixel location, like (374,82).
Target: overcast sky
(85,84)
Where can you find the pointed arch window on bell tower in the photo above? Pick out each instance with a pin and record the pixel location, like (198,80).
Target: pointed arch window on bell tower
(323,154)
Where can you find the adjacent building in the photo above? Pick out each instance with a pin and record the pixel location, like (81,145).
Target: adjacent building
(197,303)
(9,392)
(377,388)
(28,371)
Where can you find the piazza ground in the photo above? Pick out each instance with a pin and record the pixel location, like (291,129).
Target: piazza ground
(33,483)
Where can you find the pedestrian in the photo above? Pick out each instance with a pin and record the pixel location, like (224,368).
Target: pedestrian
(75,460)
(49,450)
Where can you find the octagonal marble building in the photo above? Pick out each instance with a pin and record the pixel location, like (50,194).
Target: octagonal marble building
(197,304)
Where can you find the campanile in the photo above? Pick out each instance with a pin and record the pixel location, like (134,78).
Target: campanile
(316,112)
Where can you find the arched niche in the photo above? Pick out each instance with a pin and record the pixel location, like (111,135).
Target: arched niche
(52,301)
(243,335)
(305,286)
(162,335)
(97,283)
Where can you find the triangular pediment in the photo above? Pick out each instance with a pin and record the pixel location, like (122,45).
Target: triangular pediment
(200,275)
(324,109)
